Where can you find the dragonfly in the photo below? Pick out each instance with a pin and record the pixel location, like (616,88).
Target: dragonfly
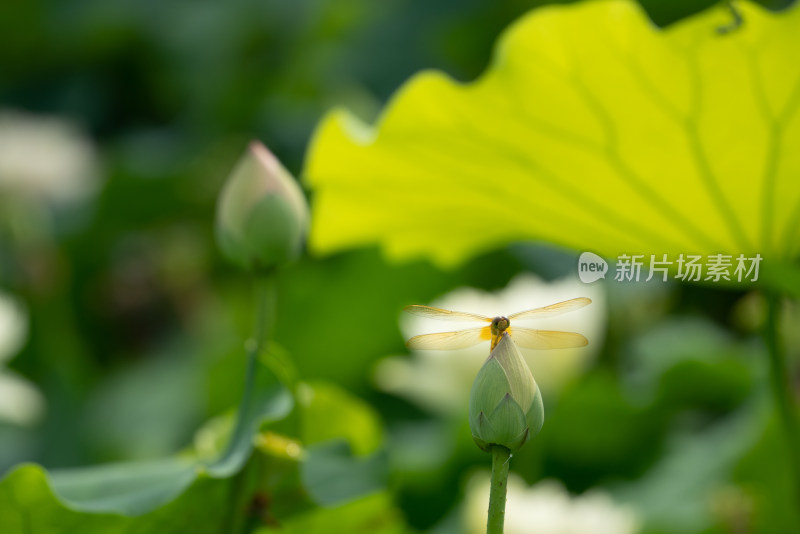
(530,338)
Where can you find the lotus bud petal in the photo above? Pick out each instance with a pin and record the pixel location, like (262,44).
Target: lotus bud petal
(505,406)
(262,215)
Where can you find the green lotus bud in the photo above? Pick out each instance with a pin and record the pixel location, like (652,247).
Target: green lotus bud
(505,406)
(262,215)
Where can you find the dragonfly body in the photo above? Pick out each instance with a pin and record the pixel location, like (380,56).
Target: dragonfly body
(496,327)
(499,326)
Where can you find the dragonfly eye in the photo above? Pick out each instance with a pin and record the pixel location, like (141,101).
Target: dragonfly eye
(500,323)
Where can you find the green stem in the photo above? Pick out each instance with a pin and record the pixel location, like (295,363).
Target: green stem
(265,311)
(265,308)
(782,387)
(265,304)
(497,494)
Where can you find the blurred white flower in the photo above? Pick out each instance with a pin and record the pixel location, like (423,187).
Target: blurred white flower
(46,158)
(20,402)
(547,508)
(441,380)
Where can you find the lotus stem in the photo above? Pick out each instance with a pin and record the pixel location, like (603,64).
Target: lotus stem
(497,493)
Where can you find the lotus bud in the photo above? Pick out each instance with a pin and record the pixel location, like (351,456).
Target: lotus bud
(262,215)
(505,405)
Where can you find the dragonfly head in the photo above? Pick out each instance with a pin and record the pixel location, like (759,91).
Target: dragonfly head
(499,325)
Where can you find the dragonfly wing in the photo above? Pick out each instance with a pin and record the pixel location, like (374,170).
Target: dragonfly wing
(546,339)
(552,310)
(460,339)
(445,315)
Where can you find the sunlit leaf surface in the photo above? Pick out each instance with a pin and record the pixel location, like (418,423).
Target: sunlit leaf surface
(591,129)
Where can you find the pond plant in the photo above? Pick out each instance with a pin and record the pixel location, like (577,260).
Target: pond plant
(591,131)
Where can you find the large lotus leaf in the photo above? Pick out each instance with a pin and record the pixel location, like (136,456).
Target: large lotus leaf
(29,505)
(186,493)
(591,129)
(169,495)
